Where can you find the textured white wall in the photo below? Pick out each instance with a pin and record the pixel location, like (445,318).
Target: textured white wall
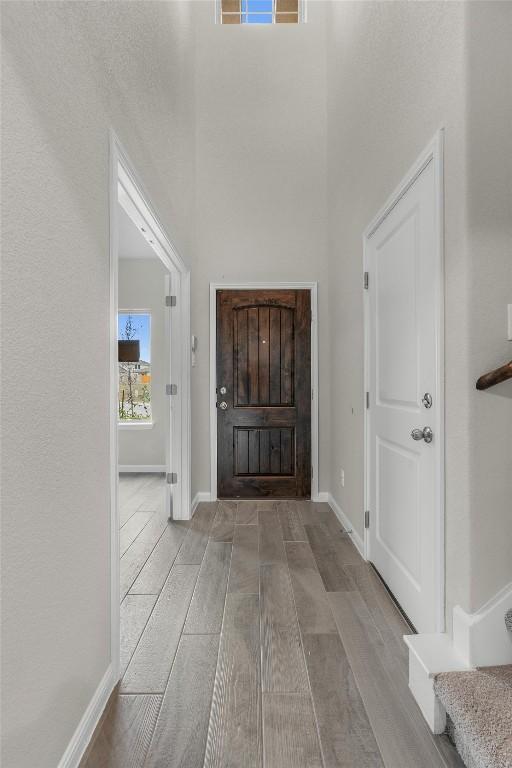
(142,286)
(296,128)
(489,214)
(70,71)
(396,73)
(260,181)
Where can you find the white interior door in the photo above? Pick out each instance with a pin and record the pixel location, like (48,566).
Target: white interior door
(404,469)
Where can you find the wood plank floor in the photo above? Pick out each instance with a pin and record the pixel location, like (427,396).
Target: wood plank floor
(255,636)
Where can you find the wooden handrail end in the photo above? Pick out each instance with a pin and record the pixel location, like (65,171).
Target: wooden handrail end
(500,374)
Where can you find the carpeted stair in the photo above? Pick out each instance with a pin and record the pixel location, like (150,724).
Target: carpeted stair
(479,708)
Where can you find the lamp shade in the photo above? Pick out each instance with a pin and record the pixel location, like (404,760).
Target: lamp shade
(128,351)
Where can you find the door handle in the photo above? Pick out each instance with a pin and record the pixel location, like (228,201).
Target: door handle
(223,406)
(425,434)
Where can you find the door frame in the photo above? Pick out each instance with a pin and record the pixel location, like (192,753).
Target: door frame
(126,189)
(433,153)
(228,286)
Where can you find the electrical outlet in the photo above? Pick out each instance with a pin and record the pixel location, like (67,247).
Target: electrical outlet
(342,477)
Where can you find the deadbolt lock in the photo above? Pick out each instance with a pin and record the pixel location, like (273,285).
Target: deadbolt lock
(223,390)
(427,400)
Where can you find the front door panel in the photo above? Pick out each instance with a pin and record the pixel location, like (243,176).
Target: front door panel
(264,394)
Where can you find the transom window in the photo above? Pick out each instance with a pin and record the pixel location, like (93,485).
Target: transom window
(260,11)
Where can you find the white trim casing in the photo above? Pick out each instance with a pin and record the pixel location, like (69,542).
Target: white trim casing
(311,286)
(142,468)
(126,189)
(432,153)
(180,403)
(115,640)
(131,195)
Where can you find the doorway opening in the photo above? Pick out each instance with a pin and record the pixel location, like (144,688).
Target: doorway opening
(264,390)
(149,377)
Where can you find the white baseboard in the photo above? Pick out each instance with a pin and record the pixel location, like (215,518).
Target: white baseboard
(142,468)
(346,523)
(85,730)
(199,497)
(322,496)
(482,638)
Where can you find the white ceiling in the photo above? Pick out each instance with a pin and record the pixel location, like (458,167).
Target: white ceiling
(132,244)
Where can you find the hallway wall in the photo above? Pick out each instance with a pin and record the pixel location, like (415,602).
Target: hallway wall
(70,71)
(489,212)
(396,73)
(260,181)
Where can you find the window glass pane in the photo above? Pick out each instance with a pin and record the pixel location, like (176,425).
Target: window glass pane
(258,6)
(259,18)
(135,376)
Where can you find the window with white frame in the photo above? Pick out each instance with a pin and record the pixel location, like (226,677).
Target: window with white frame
(134,401)
(260,11)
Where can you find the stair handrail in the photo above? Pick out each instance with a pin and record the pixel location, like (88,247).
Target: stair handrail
(500,374)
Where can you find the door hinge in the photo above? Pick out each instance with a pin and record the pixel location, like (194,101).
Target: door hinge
(367,399)
(367,518)
(171,389)
(170,301)
(172,478)
(366,280)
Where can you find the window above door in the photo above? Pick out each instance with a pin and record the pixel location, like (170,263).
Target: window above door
(260,11)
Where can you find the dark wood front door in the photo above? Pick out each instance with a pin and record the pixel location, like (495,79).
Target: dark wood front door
(264,394)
